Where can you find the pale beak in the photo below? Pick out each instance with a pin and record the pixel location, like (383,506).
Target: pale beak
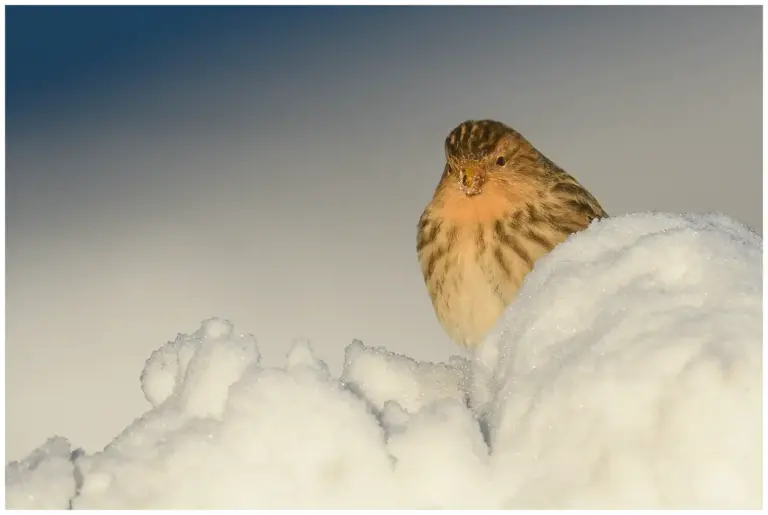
(471,181)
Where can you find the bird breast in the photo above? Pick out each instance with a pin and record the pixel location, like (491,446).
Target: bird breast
(473,271)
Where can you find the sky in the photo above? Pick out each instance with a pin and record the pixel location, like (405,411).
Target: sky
(269,165)
(626,375)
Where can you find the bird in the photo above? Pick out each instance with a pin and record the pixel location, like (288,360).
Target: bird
(499,206)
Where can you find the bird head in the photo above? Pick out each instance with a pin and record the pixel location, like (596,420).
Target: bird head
(477,151)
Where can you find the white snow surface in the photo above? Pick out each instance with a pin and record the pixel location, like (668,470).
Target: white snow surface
(627,374)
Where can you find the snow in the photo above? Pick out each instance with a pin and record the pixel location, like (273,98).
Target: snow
(627,374)
(44,480)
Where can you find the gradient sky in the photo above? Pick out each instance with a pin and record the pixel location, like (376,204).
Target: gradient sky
(268,165)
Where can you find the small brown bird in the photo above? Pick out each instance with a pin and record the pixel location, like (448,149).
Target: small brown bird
(500,205)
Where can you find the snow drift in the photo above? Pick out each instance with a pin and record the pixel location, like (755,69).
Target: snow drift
(627,374)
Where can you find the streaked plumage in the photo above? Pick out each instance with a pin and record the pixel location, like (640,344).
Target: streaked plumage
(499,206)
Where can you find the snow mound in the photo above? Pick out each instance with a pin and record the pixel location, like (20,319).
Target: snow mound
(44,480)
(627,374)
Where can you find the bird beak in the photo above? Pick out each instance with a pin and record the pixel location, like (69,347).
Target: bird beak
(470,181)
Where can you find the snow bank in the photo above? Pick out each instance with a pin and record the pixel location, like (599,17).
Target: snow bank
(44,480)
(628,372)
(626,375)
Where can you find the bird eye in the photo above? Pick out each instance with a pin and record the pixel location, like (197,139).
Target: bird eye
(501,161)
